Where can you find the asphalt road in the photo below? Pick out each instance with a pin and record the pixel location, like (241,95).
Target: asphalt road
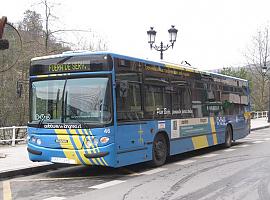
(240,172)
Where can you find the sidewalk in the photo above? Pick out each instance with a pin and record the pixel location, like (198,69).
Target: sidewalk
(14,160)
(259,124)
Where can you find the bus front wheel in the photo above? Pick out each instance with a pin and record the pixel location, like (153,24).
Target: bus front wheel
(228,137)
(159,151)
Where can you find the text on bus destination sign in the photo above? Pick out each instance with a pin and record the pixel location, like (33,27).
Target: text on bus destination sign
(68,67)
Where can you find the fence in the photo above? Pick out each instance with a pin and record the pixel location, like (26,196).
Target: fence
(12,135)
(259,114)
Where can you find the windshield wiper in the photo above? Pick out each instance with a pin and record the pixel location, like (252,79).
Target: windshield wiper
(57,100)
(40,123)
(64,96)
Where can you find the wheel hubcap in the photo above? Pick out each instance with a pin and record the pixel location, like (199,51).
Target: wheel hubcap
(229,135)
(160,150)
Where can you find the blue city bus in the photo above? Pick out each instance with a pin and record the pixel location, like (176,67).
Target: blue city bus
(112,110)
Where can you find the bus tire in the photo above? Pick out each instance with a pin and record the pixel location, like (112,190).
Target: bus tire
(228,137)
(159,150)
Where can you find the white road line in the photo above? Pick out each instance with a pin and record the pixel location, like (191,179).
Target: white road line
(55,198)
(266,139)
(208,155)
(228,150)
(6,191)
(185,162)
(153,171)
(257,142)
(107,184)
(242,146)
(257,138)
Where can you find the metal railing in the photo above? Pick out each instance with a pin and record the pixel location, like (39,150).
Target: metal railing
(12,135)
(259,114)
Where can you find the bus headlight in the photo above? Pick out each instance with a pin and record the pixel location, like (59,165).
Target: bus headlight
(38,141)
(95,141)
(33,139)
(104,140)
(91,143)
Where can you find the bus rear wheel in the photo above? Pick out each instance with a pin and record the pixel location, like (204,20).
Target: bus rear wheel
(159,151)
(228,137)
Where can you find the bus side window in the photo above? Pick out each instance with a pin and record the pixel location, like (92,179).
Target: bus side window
(176,103)
(129,106)
(186,105)
(154,105)
(181,103)
(206,100)
(198,101)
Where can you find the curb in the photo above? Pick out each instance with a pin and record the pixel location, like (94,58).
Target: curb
(258,128)
(30,170)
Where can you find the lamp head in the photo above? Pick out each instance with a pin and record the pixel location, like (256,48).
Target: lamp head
(151,36)
(172,34)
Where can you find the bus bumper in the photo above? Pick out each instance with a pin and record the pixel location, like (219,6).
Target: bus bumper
(104,156)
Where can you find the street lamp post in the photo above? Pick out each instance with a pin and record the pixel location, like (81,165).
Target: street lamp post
(264,70)
(151,40)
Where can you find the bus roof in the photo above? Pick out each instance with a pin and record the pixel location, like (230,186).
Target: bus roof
(159,63)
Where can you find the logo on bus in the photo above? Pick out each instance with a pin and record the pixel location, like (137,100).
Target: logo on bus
(107,131)
(221,121)
(61,141)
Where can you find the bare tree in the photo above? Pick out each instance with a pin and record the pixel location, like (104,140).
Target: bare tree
(258,59)
(38,39)
(86,39)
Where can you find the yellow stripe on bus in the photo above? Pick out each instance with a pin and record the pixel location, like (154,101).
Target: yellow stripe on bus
(213,128)
(96,161)
(78,145)
(98,151)
(69,154)
(89,150)
(200,142)
(180,68)
(42,76)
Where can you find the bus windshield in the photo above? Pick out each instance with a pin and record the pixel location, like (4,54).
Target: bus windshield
(79,100)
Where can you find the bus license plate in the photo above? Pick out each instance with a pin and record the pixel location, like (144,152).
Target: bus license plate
(62,160)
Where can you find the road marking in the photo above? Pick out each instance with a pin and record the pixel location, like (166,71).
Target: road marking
(228,150)
(153,171)
(242,146)
(266,139)
(208,155)
(55,198)
(6,191)
(108,184)
(185,162)
(257,142)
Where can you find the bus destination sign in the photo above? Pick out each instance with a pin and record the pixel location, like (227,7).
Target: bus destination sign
(70,64)
(58,68)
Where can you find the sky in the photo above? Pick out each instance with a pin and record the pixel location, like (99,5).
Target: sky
(212,34)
